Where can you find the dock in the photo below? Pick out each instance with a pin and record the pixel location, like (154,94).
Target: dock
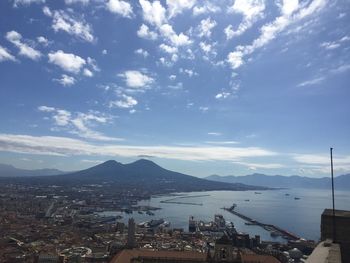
(269,227)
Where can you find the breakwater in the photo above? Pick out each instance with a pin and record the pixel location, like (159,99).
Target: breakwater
(274,230)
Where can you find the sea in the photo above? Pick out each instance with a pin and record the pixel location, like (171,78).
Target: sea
(295,210)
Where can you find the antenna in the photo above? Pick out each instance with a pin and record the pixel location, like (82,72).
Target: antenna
(334,230)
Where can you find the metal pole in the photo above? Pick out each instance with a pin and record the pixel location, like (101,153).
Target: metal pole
(334,230)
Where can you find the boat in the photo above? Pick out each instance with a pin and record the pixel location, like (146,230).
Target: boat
(150,213)
(247,200)
(140,212)
(286,194)
(257,193)
(296,198)
(157,222)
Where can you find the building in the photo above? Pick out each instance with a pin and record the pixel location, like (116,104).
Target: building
(342,230)
(131,233)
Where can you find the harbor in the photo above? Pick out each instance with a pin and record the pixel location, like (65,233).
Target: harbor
(274,230)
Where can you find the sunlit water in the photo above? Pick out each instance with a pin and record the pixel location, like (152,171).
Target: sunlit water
(301,217)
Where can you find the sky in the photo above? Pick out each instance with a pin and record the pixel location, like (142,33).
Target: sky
(228,87)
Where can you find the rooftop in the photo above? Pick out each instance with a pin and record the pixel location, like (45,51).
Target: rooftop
(338,213)
(325,252)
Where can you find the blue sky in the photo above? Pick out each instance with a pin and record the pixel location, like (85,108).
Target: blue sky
(200,87)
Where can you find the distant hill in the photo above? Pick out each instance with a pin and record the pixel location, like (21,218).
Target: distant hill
(341,182)
(10,171)
(142,174)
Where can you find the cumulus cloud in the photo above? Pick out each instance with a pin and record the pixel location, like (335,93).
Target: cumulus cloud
(43,40)
(145,32)
(125,102)
(153,13)
(24,49)
(205,27)
(168,49)
(120,7)
(50,145)
(78,123)
(206,8)
(251,10)
(5,55)
(177,6)
(291,12)
(66,80)
(67,61)
(136,79)
(62,21)
(168,32)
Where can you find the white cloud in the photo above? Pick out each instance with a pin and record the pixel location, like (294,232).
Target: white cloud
(188,72)
(251,10)
(87,73)
(203,109)
(66,80)
(104,52)
(290,13)
(67,61)
(70,2)
(177,6)
(136,79)
(43,41)
(50,145)
(222,142)
(235,59)
(125,102)
(168,32)
(153,13)
(205,27)
(215,133)
(62,21)
(79,123)
(5,55)
(172,77)
(145,32)
(142,52)
(254,166)
(168,49)
(47,11)
(205,8)
(311,82)
(24,49)
(17,3)
(330,45)
(205,47)
(120,7)
(222,95)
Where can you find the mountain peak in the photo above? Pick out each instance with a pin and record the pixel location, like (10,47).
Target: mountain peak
(144,163)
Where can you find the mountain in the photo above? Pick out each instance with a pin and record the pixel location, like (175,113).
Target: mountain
(142,174)
(340,182)
(10,171)
(146,174)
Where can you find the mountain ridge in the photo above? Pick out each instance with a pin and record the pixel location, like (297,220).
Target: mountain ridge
(142,174)
(293,181)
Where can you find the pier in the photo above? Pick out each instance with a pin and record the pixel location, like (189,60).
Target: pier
(269,227)
(173,200)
